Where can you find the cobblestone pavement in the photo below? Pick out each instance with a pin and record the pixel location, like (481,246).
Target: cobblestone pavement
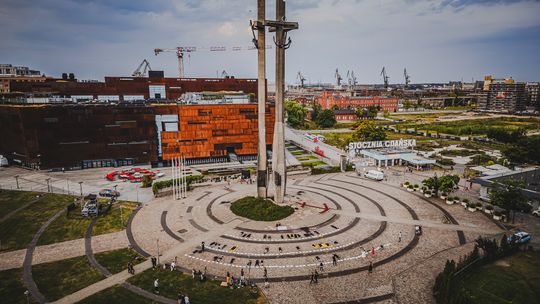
(364,217)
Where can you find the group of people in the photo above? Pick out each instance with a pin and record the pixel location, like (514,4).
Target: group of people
(201,275)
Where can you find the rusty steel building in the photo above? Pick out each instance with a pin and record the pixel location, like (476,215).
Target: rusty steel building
(90,135)
(133,88)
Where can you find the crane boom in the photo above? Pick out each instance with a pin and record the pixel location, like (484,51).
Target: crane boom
(138,73)
(385,77)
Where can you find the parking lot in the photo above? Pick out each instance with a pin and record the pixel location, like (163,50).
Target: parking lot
(71,182)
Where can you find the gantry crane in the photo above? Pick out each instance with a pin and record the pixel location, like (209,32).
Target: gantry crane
(181,50)
(146,65)
(351,78)
(224,74)
(385,77)
(407,78)
(301,78)
(338,78)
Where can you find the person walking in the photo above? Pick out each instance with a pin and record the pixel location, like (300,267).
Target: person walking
(130,268)
(154,262)
(193,273)
(399,237)
(334,260)
(173,266)
(370,267)
(156,286)
(186,300)
(312,278)
(180,298)
(372,251)
(321,267)
(316,275)
(202,246)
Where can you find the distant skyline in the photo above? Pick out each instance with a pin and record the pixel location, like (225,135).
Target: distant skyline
(436,40)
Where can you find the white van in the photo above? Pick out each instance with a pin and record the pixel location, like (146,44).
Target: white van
(374,174)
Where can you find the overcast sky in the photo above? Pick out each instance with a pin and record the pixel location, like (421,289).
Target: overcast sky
(436,40)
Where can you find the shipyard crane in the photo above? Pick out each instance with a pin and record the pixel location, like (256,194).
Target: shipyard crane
(338,78)
(182,50)
(301,78)
(351,78)
(385,77)
(407,78)
(146,65)
(224,74)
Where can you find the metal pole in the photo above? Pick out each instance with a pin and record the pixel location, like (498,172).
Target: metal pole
(48,184)
(261,97)
(157,245)
(121,216)
(137,190)
(67,183)
(80,184)
(17,180)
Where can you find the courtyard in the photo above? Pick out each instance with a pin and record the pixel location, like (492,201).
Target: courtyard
(341,223)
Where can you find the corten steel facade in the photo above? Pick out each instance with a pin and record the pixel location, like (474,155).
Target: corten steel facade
(136,86)
(78,136)
(214,131)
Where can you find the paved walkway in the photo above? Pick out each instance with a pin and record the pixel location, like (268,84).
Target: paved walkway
(64,250)
(167,256)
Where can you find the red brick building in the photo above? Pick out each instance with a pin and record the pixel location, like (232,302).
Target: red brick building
(328,99)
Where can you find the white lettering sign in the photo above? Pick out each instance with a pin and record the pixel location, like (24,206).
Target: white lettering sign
(401,143)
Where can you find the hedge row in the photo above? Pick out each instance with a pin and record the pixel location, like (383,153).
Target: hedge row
(168,183)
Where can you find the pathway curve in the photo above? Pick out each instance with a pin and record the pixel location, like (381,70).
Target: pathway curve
(28,280)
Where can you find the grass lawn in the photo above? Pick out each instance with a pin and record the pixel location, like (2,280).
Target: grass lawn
(307,157)
(74,227)
(208,292)
(116,260)
(313,163)
(112,222)
(17,231)
(11,287)
(58,279)
(296,153)
(117,294)
(11,200)
(511,280)
(259,209)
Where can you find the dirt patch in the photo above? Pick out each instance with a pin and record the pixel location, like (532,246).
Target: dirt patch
(502,263)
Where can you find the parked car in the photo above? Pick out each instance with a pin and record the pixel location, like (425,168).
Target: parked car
(520,237)
(109,193)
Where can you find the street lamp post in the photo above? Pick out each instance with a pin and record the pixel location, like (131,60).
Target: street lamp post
(157,245)
(48,184)
(67,184)
(80,185)
(27,293)
(17,180)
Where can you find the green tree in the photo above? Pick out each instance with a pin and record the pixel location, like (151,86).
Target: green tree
(317,109)
(326,119)
(368,131)
(386,114)
(296,113)
(524,151)
(508,194)
(335,107)
(146,181)
(372,112)
(361,112)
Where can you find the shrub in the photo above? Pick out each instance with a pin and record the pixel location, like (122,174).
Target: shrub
(407,183)
(168,183)
(315,171)
(466,200)
(497,213)
(416,186)
(146,181)
(444,194)
(489,207)
(259,209)
(478,204)
(450,198)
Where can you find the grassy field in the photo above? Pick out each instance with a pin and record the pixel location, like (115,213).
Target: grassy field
(116,260)
(58,279)
(477,126)
(116,294)
(259,209)
(511,280)
(11,287)
(73,227)
(17,231)
(11,200)
(208,292)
